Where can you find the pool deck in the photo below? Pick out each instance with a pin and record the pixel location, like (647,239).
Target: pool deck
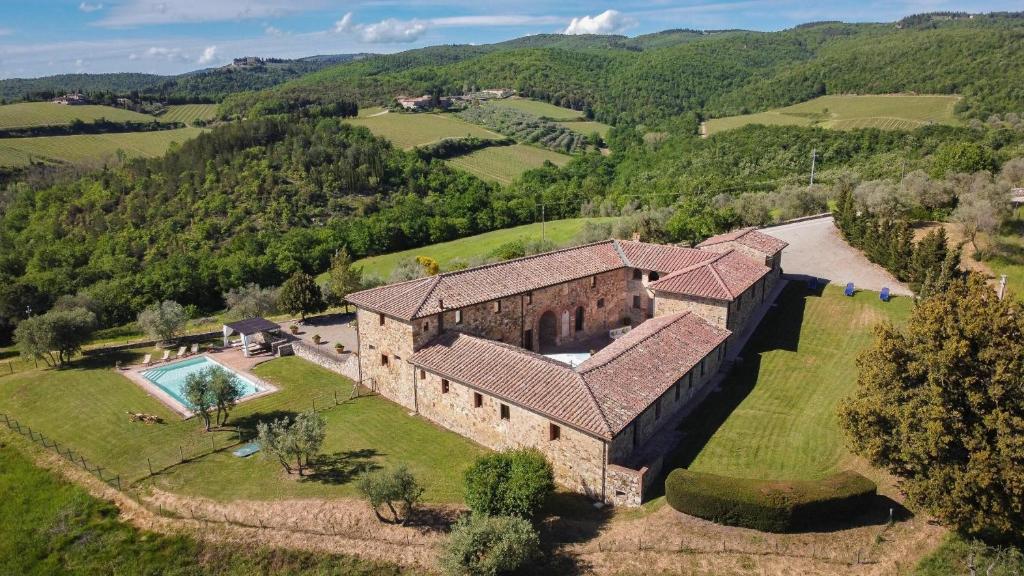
(230,358)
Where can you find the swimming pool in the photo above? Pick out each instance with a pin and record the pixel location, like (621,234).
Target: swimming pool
(171,378)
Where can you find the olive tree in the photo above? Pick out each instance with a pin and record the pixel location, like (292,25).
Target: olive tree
(291,440)
(251,301)
(199,395)
(395,488)
(63,331)
(482,545)
(163,321)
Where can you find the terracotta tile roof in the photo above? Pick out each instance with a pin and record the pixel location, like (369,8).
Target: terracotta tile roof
(631,373)
(603,395)
(660,257)
(423,297)
(723,277)
(751,238)
(529,380)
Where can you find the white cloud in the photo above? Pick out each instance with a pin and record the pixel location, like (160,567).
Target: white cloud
(208,55)
(169,54)
(87,7)
(273,31)
(146,12)
(495,20)
(389,31)
(607,22)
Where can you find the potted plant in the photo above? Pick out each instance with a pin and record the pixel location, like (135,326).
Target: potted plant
(294,329)
(316,339)
(339,347)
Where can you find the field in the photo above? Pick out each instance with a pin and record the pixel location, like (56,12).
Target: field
(188,113)
(506,163)
(84,407)
(90,148)
(32,114)
(891,112)
(558,231)
(538,108)
(409,130)
(775,417)
(587,128)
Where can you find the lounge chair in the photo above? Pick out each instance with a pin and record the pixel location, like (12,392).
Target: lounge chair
(167,356)
(147,359)
(181,353)
(884,295)
(195,348)
(849,289)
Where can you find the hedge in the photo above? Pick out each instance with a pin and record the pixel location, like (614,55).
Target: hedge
(768,505)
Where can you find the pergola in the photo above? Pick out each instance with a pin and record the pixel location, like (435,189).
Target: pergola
(247,328)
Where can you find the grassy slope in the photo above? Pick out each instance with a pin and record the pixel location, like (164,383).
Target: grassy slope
(408,130)
(797,368)
(189,113)
(27,114)
(538,108)
(84,407)
(558,231)
(506,163)
(1009,258)
(90,148)
(48,526)
(848,112)
(587,128)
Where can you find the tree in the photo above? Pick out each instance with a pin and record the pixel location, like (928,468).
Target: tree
(965,157)
(982,206)
(489,545)
(343,278)
(199,395)
(429,265)
(939,404)
(514,482)
(163,321)
(61,330)
(301,295)
(286,439)
(396,487)
(226,389)
(251,301)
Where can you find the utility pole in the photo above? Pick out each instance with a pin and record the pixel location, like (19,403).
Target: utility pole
(1002,286)
(814,159)
(542,237)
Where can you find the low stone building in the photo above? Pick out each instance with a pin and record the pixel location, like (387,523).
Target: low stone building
(650,324)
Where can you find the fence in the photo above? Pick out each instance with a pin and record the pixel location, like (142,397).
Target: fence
(113,480)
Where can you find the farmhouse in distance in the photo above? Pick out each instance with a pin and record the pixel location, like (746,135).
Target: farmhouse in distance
(588,354)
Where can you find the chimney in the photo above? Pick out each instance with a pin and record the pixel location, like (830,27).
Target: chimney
(636,236)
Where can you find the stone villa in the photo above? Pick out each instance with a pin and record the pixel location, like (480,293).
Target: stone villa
(475,350)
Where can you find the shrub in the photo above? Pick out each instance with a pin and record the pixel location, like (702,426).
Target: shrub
(771,506)
(511,483)
(395,488)
(489,545)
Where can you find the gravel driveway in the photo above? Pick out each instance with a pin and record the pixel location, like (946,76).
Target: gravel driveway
(816,249)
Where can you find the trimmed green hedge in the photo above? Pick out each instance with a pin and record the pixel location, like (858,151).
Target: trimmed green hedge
(768,505)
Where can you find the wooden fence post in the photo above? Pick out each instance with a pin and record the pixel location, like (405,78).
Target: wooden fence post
(181,453)
(150,462)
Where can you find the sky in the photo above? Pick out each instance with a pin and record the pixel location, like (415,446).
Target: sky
(44,37)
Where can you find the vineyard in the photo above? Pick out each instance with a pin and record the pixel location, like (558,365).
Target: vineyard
(32,114)
(189,113)
(526,128)
(505,163)
(90,148)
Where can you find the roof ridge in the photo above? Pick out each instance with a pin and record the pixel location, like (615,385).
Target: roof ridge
(679,316)
(520,259)
(715,257)
(622,253)
(728,236)
(721,281)
(596,403)
(392,284)
(427,293)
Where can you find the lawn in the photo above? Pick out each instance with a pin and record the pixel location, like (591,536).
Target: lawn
(50,526)
(90,148)
(558,231)
(30,114)
(410,130)
(538,108)
(84,407)
(888,112)
(506,163)
(189,113)
(775,417)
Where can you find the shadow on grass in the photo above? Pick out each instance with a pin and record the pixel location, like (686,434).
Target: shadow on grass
(342,467)
(246,425)
(569,518)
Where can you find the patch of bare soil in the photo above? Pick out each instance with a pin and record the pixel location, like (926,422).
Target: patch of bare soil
(955,236)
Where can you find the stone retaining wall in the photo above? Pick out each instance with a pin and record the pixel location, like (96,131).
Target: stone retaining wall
(347,365)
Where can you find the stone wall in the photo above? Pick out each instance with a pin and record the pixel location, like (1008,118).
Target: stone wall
(385,346)
(715,312)
(626,486)
(346,365)
(577,458)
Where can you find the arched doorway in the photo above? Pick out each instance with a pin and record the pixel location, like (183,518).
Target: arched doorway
(579,319)
(548,330)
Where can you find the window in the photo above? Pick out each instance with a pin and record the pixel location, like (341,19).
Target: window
(638,274)
(478,400)
(383,359)
(652,276)
(600,302)
(445,386)
(497,306)
(529,297)
(677,390)
(689,387)
(579,318)
(701,366)
(380,319)
(657,409)
(458,316)
(636,302)
(528,339)
(554,431)
(372,347)
(504,411)
(423,374)
(426,326)
(593,281)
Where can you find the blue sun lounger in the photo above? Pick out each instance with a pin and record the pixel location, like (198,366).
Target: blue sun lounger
(849,289)
(247,449)
(884,295)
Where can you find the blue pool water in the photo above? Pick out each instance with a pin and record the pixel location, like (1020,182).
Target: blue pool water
(171,377)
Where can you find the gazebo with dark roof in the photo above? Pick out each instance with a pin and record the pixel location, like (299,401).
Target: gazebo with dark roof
(247,328)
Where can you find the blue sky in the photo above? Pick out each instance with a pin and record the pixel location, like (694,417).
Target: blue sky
(43,37)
